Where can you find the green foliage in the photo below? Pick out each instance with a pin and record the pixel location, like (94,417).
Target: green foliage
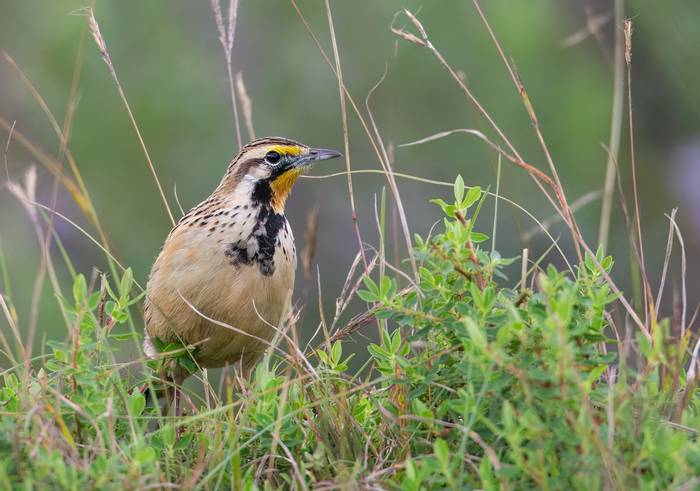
(478,381)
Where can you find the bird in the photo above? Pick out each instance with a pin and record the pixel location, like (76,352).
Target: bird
(224,277)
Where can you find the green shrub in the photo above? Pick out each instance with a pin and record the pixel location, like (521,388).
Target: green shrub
(500,386)
(479,381)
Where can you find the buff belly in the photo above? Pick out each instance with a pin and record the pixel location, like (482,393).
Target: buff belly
(200,296)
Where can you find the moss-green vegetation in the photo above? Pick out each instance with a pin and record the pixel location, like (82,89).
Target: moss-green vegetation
(480,381)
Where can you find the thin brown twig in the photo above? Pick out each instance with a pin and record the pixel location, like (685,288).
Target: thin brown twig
(472,252)
(469,276)
(26,195)
(12,322)
(576,233)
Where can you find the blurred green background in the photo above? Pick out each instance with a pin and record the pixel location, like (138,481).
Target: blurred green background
(171,65)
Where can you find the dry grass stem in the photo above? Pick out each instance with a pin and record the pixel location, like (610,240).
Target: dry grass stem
(310,240)
(667,260)
(684,273)
(226,37)
(26,195)
(425,180)
(563,208)
(538,175)
(350,99)
(346,137)
(247,105)
(576,205)
(102,46)
(633,162)
(386,163)
(559,189)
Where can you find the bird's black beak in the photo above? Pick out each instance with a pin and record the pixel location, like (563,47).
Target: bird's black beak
(316,155)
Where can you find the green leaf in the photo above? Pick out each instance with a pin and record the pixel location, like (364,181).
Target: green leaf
(79,289)
(184,441)
(442,453)
(367,296)
(378,352)
(420,409)
(477,237)
(396,341)
(385,287)
(323,356)
(459,189)
(441,203)
(410,469)
(371,285)
(473,196)
(595,374)
(11,380)
(167,435)
(508,416)
(588,261)
(607,263)
(93,301)
(144,455)
(126,282)
(125,336)
(386,339)
(188,363)
(336,352)
(137,402)
(119,316)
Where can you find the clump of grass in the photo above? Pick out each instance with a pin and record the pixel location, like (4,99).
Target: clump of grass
(477,382)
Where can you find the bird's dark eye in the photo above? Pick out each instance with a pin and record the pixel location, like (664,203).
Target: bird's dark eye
(273,157)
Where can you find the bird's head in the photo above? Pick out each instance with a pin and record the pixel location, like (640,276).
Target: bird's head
(267,168)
